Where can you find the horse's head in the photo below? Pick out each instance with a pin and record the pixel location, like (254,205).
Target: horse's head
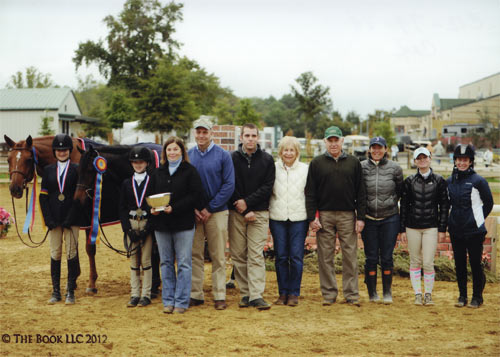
(86,174)
(21,164)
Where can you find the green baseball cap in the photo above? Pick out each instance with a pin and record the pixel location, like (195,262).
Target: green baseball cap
(333,131)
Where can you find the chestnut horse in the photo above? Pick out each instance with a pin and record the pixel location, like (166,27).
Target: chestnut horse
(35,153)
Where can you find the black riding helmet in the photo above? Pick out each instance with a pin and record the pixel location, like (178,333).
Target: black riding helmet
(140,153)
(464,151)
(62,142)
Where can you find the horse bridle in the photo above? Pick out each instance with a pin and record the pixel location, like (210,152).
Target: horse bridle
(26,178)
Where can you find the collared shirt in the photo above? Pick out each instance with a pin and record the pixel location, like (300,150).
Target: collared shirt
(139,177)
(203,153)
(342,155)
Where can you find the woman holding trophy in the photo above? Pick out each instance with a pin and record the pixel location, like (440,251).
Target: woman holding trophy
(178,191)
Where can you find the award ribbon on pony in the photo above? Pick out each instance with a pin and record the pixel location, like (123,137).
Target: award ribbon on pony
(30,216)
(100,164)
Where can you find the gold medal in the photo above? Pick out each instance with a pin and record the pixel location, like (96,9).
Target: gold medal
(60,197)
(138,213)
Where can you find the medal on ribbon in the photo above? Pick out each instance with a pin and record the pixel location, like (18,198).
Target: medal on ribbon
(138,201)
(100,164)
(61,185)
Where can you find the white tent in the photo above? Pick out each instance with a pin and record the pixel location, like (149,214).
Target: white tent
(129,135)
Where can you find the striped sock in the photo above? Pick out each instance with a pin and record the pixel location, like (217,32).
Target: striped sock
(415,277)
(428,281)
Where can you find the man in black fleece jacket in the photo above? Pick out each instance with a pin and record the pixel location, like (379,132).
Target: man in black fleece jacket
(254,173)
(336,191)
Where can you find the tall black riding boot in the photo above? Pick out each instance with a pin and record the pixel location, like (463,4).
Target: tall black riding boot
(371,284)
(387,284)
(155,265)
(55,274)
(72,275)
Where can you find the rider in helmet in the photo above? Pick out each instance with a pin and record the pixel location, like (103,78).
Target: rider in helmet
(471,202)
(134,214)
(56,201)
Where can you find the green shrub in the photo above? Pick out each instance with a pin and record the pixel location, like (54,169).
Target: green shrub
(444,267)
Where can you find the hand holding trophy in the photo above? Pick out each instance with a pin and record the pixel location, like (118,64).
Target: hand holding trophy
(159,202)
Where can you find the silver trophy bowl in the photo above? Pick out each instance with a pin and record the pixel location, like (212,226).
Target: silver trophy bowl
(159,201)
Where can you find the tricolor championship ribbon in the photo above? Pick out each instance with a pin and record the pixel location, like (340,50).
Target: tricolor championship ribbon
(30,216)
(100,164)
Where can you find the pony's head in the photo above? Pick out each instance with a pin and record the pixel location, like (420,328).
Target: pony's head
(86,174)
(21,164)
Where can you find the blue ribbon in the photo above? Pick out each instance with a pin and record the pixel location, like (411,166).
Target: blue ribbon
(100,164)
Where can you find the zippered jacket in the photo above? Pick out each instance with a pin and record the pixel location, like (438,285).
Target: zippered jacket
(383,183)
(424,202)
(471,202)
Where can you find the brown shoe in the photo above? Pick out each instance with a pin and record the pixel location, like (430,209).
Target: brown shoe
(168,309)
(293,300)
(179,310)
(220,305)
(282,300)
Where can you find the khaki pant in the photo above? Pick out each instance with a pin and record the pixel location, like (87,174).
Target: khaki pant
(246,243)
(141,257)
(70,236)
(215,230)
(422,244)
(343,222)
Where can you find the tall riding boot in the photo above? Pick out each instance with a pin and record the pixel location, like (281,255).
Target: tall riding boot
(155,265)
(371,284)
(55,274)
(72,275)
(387,283)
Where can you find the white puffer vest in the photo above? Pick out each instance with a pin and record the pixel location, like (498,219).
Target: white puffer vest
(288,201)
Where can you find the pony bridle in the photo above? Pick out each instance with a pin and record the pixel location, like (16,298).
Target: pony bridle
(26,177)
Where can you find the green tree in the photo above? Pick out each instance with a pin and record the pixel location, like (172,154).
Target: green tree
(166,102)
(32,78)
(384,129)
(226,107)
(120,109)
(135,42)
(313,100)
(247,113)
(353,118)
(378,116)
(46,127)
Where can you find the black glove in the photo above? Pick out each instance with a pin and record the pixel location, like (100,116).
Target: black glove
(66,224)
(51,225)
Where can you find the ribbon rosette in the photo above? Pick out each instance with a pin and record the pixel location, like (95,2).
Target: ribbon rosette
(100,164)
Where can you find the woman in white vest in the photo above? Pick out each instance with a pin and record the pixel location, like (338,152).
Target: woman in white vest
(288,220)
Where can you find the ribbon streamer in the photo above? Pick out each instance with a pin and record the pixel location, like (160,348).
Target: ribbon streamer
(29,222)
(100,164)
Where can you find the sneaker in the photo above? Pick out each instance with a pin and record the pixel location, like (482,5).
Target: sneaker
(461,302)
(293,300)
(134,300)
(282,300)
(328,302)
(220,305)
(475,303)
(168,309)
(196,302)
(418,299)
(145,301)
(428,299)
(353,302)
(260,304)
(244,302)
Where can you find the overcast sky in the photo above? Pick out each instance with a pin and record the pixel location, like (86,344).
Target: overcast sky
(372,54)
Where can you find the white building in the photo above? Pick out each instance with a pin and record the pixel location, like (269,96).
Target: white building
(22,111)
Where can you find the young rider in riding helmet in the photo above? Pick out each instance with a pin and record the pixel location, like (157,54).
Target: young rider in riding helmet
(134,214)
(56,200)
(471,203)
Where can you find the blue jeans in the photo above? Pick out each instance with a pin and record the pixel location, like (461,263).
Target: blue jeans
(379,239)
(289,238)
(175,246)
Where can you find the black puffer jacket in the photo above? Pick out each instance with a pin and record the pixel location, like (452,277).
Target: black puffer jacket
(424,202)
(383,184)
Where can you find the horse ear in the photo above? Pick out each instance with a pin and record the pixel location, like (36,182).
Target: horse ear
(9,141)
(29,141)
